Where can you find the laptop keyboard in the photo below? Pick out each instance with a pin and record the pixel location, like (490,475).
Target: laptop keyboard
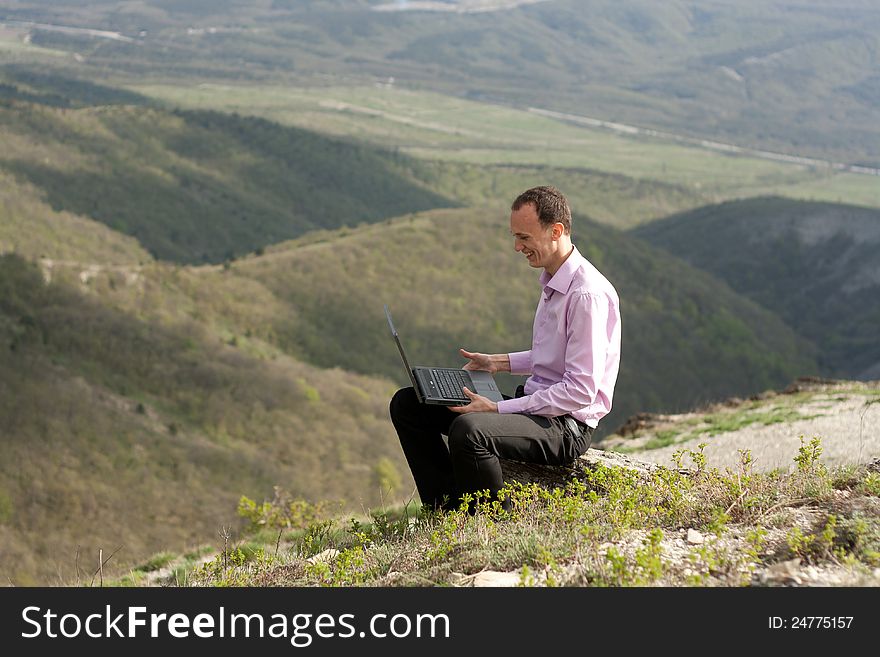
(450,382)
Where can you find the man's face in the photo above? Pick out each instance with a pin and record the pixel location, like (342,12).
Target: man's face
(537,243)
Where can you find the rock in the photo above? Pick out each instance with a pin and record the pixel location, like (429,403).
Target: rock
(325,556)
(490,578)
(785,572)
(694,537)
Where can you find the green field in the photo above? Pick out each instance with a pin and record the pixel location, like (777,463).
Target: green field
(436,127)
(14,48)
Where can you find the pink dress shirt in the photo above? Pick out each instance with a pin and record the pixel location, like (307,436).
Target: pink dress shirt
(575,354)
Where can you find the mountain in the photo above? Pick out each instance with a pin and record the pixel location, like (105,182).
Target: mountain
(190,301)
(759,73)
(157,391)
(201,186)
(459,265)
(126,430)
(816,265)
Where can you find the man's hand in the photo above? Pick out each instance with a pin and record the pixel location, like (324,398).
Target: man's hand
(491,363)
(479,404)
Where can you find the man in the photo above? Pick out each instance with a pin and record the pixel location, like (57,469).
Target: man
(573,364)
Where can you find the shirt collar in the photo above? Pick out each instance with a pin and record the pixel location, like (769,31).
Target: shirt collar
(561,280)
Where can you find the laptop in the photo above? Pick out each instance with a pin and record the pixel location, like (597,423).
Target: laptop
(443,385)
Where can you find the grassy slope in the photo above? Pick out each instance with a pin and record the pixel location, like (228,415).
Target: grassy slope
(234,363)
(122,431)
(201,187)
(458,265)
(814,264)
(713,518)
(30,227)
(454,130)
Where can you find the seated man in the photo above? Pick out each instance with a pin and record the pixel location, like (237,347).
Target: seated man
(573,364)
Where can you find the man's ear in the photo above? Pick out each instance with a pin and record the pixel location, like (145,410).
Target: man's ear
(557,230)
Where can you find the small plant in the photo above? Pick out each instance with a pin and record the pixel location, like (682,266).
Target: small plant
(648,557)
(444,539)
(316,537)
(870,484)
(808,455)
(643,568)
(282,512)
(812,475)
(551,567)
(235,567)
(815,547)
(348,568)
(698,458)
(384,526)
(858,537)
(526,579)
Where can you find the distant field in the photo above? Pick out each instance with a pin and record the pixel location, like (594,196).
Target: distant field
(12,43)
(434,126)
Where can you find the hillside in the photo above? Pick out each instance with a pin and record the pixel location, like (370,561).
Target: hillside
(177,382)
(204,205)
(816,265)
(124,432)
(459,265)
(608,195)
(319,300)
(779,515)
(756,73)
(200,186)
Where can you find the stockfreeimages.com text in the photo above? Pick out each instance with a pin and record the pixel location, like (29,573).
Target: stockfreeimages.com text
(300,629)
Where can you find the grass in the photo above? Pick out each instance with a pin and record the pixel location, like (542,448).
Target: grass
(726,422)
(437,127)
(662,439)
(604,527)
(780,410)
(12,44)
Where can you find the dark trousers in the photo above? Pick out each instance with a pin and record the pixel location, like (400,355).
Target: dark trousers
(475,441)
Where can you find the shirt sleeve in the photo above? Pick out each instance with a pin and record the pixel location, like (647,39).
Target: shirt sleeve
(520,362)
(587,344)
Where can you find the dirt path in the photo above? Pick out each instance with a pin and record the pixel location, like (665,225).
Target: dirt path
(848,426)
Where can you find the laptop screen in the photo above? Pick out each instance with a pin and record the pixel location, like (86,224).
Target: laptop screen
(400,348)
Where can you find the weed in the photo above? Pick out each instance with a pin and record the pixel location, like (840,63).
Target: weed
(526,579)
(156,562)
(282,512)
(348,568)
(812,478)
(814,547)
(870,484)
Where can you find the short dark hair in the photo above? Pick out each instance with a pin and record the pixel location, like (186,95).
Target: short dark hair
(550,204)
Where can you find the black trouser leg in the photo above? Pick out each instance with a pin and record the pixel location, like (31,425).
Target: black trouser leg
(420,428)
(477,440)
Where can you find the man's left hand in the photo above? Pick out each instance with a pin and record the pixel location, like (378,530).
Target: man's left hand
(479,404)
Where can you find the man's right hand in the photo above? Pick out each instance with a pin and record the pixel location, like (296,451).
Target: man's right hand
(491,363)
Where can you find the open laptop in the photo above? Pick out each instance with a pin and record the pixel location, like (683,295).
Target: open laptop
(442,385)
